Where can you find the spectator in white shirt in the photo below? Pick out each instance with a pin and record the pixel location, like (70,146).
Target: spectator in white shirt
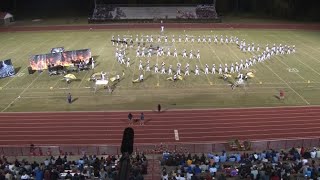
(318,153)
(46,162)
(216,158)
(313,153)
(189,175)
(164,176)
(304,161)
(25,176)
(213,170)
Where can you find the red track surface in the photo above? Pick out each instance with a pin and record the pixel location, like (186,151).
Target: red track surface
(157,25)
(193,126)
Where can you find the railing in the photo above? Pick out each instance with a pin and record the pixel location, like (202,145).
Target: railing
(151,148)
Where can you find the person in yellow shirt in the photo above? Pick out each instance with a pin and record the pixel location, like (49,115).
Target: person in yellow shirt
(189,162)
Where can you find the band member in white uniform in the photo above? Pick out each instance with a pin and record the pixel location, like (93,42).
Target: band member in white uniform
(198,54)
(220,69)
(140,65)
(213,71)
(191,55)
(226,68)
(156,69)
(170,70)
(184,54)
(206,70)
(173,40)
(168,52)
(148,66)
(197,70)
(175,54)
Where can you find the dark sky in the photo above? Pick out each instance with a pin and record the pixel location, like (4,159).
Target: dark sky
(290,9)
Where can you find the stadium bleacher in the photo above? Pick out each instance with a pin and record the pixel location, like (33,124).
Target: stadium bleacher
(106,12)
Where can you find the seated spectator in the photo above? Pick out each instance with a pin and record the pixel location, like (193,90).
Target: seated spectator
(213,170)
(254,173)
(197,170)
(25,176)
(313,153)
(189,175)
(164,176)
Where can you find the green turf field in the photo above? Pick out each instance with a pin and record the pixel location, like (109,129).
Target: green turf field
(193,92)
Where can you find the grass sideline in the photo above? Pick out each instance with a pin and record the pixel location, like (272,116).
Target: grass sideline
(193,92)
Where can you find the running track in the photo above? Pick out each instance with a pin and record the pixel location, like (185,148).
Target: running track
(194,126)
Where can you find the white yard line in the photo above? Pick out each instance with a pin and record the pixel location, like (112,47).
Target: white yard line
(25,89)
(302,41)
(288,85)
(304,44)
(158,76)
(84,77)
(210,83)
(277,57)
(304,63)
(19,57)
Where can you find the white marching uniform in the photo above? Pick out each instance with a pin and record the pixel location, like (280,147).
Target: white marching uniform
(128,62)
(226,69)
(156,69)
(198,55)
(175,54)
(140,66)
(197,71)
(184,54)
(206,70)
(170,70)
(232,69)
(187,71)
(213,71)
(168,52)
(163,70)
(190,55)
(178,70)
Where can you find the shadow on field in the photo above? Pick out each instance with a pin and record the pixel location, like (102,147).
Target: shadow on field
(17,69)
(74,100)
(277,97)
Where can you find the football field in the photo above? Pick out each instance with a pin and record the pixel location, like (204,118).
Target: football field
(297,74)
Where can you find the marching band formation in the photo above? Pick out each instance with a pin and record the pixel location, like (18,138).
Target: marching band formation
(146,52)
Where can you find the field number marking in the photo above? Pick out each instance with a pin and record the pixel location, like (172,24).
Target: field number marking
(293,70)
(20,74)
(176,135)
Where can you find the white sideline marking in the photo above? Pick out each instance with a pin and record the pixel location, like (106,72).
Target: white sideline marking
(19,96)
(176,135)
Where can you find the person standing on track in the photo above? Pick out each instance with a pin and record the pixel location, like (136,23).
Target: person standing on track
(159,108)
(130,116)
(142,119)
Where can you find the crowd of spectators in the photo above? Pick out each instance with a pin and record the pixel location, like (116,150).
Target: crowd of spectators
(181,14)
(206,12)
(87,167)
(102,12)
(105,12)
(266,165)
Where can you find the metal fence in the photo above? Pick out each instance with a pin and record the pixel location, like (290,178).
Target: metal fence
(151,148)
